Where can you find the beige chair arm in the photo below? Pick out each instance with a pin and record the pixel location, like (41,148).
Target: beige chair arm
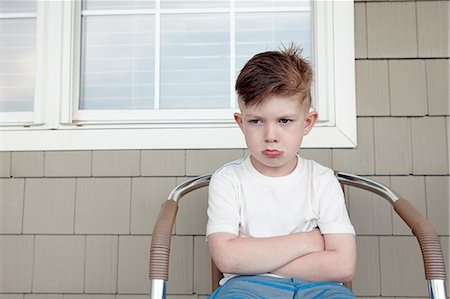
(160,245)
(429,242)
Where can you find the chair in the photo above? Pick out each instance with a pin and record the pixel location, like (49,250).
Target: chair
(429,242)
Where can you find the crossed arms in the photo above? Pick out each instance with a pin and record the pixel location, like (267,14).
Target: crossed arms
(309,256)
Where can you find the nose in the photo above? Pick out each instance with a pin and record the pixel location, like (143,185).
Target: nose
(271,134)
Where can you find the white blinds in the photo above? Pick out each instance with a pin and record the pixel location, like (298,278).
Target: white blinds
(17,55)
(195,60)
(179,54)
(117,70)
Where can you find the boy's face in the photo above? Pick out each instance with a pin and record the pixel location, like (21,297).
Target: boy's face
(273,131)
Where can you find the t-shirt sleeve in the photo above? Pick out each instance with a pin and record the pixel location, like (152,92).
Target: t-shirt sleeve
(333,216)
(223,207)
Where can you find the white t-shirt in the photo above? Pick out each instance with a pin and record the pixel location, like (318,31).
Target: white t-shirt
(243,199)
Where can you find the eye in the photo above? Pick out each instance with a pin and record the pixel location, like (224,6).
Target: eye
(255,121)
(285,121)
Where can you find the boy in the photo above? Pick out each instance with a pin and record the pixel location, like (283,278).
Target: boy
(277,223)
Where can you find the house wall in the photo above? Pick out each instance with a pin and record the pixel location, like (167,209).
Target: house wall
(78,224)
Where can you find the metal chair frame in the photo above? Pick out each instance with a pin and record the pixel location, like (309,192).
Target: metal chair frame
(422,229)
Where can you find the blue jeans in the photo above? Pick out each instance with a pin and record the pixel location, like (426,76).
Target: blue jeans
(263,287)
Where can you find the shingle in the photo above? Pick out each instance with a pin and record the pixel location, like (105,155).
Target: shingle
(59,264)
(16,260)
(133,264)
(44,296)
(370,214)
(49,206)
(163,162)
(411,188)
(367,279)
(68,164)
(391,29)
(148,194)
(372,88)
(5,164)
(433,28)
(88,296)
(408,90)
(199,162)
(127,296)
(11,296)
(11,205)
(438,205)
(392,146)
(101,264)
(194,203)
(401,267)
(115,163)
(27,164)
(438,78)
(429,145)
(322,156)
(103,206)
(181,266)
(202,266)
(447,127)
(360,31)
(361,159)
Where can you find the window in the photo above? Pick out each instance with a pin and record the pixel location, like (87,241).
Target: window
(17,60)
(160,74)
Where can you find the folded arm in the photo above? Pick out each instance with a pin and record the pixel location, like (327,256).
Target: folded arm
(336,263)
(247,255)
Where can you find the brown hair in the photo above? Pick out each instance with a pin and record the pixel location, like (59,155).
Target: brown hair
(283,73)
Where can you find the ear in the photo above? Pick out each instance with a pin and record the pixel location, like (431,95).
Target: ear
(239,120)
(310,121)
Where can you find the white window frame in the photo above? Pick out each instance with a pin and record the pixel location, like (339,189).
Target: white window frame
(54,127)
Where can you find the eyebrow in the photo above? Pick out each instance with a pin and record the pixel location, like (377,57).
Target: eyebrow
(286,116)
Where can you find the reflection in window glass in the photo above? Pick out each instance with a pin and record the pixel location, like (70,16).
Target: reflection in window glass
(17,55)
(17,6)
(117,70)
(258,32)
(195,57)
(274,4)
(118,4)
(190,4)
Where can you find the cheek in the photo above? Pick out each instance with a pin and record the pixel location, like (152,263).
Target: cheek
(295,136)
(251,136)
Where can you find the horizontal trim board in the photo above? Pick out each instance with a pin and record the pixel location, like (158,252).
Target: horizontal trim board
(198,138)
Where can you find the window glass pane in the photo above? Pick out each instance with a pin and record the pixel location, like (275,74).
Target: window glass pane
(194,4)
(195,59)
(258,32)
(17,6)
(194,47)
(117,70)
(17,63)
(274,3)
(118,4)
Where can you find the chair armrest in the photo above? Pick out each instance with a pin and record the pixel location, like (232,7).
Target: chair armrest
(429,242)
(160,245)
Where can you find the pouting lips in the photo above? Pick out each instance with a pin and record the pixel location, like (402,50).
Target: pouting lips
(272,153)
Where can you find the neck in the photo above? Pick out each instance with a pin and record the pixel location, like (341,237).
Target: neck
(279,171)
